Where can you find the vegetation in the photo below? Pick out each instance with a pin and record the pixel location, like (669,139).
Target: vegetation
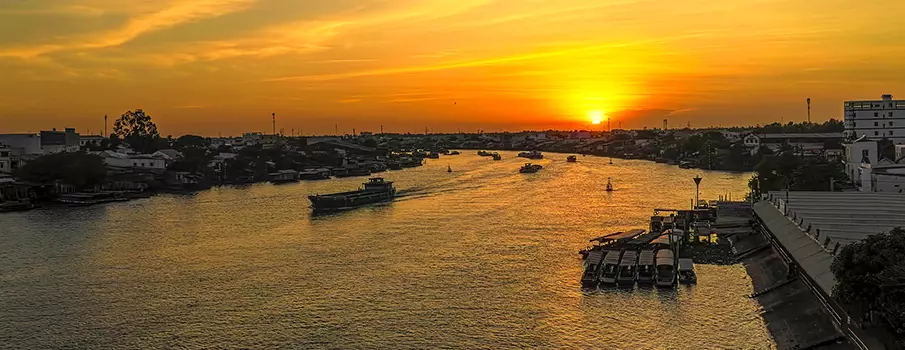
(872,273)
(831,125)
(137,129)
(787,170)
(78,169)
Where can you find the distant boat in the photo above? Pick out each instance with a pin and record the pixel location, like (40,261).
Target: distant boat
(531,155)
(433,155)
(611,160)
(609,185)
(571,159)
(530,168)
(497,156)
(454,153)
(484,154)
(448,169)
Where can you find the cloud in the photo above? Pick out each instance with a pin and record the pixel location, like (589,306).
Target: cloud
(177,12)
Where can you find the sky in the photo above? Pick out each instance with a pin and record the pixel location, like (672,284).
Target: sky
(215,67)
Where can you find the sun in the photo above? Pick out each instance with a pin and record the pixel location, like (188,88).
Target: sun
(596,117)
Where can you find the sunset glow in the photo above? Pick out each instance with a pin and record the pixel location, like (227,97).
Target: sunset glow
(596,117)
(209,67)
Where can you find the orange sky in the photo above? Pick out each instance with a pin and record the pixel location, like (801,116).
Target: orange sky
(222,66)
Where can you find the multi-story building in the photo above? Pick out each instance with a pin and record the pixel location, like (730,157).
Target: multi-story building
(6,155)
(876,119)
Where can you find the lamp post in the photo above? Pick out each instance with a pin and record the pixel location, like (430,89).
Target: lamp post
(697,189)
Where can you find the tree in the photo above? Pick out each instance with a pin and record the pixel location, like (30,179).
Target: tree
(78,169)
(137,129)
(190,141)
(872,273)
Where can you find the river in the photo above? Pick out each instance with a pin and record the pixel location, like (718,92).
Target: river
(480,258)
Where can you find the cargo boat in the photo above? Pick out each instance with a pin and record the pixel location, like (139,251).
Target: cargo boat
(375,190)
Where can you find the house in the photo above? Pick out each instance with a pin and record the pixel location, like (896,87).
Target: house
(856,154)
(252,138)
(141,161)
(6,164)
(25,143)
(884,176)
(60,141)
(90,141)
(805,143)
(168,154)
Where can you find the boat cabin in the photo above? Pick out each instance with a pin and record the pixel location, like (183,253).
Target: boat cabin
(666,268)
(646,267)
(686,271)
(610,269)
(627,268)
(592,268)
(377,184)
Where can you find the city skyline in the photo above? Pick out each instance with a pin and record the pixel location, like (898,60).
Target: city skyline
(211,67)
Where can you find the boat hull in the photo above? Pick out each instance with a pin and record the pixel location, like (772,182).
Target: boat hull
(349,200)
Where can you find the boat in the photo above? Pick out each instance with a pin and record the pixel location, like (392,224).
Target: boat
(531,155)
(610,270)
(484,153)
(646,267)
(666,269)
(686,272)
(315,174)
(609,185)
(591,269)
(85,199)
(530,168)
(433,155)
(375,190)
(448,169)
(497,156)
(394,165)
(454,153)
(686,165)
(571,159)
(627,268)
(611,160)
(284,177)
(16,205)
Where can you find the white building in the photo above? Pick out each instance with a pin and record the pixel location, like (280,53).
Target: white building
(141,161)
(6,163)
(90,140)
(876,119)
(856,154)
(807,143)
(884,176)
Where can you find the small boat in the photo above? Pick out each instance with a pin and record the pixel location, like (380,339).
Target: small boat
(610,270)
(686,165)
(531,155)
(497,156)
(571,159)
(375,190)
(646,267)
(591,269)
(611,160)
(454,153)
(627,268)
(666,269)
(433,155)
(686,272)
(484,153)
(530,168)
(448,169)
(315,174)
(609,185)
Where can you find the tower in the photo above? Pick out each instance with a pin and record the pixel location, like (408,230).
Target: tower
(809,110)
(273,116)
(105,126)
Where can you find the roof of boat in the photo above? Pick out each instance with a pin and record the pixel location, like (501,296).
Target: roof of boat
(595,256)
(604,237)
(645,238)
(631,234)
(646,257)
(612,257)
(686,265)
(665,253)
(629,258)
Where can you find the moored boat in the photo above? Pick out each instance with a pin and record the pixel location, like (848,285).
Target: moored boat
(315,174)
(610,270)
(483,153)
(454,153)
(284,177)
(686,272)
(497,156)
(571,159)
(591,268)
(531,155)
(375,190)
(433,155)
(666,269)
(627,268)
(646,267)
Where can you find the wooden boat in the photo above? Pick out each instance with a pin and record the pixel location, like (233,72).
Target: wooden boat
(373,191)
(627,268)
(610,270)
(686,272)
(609,185)
(497,156)
(666,269)
(646,267)
(591,269)
(530,168)
(531,155)
(571,159)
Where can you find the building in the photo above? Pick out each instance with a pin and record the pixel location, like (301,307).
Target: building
(141,161)
(90,140)
(875,119)
(6,162)
(882,176)
(24,143)
(859,153)
(808,143)
(60,141)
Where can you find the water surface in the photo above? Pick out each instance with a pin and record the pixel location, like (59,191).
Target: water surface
(481,258)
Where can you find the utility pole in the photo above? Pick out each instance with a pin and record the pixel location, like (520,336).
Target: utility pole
(381,128)
(273,116)
(336,129)
(697,189)
(105,126)
(809,110)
